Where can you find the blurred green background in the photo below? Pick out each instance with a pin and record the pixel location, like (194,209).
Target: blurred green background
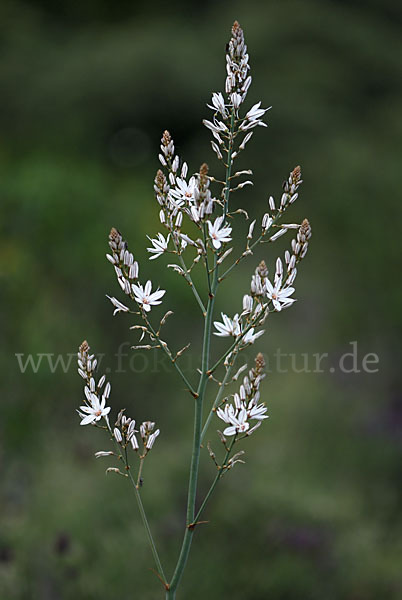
(86,90)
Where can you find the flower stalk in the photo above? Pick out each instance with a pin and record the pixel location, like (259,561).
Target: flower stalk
(184,200)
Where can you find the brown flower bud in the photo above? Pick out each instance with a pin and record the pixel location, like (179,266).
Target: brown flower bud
(160,179)
(296,175)
(259,363)
(305,229)
(262,269)
(84,348)
(166,138)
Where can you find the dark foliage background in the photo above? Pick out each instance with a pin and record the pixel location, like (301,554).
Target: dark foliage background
(86,90)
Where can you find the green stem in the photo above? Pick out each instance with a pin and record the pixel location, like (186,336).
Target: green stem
(169,354)
(166,350)
(187,275)
(138,484)
(139,502)
(219,474)
(189,280)
(253,245)
(237,261)
(218,398)
(229,165)
(195,459)
(147,528)
(206,258)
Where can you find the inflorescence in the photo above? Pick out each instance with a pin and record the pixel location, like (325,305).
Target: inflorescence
(199,223)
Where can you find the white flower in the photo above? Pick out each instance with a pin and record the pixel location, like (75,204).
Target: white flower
(278,234)
(250,124)
(247,304)
(151,439)
(159,244)
(185,193)
(176,268)
(246,139)
(236,100)
(233,327)
(184,170)
(148,434)
(266,222)
(280,297)
(228,327)
(253,117)
(94,411)
(217,234)
(256,426)
(257,412)
(216,126)
(119,307)
(250,336)
(103,453)
(218,104)
(216,149)
(185,239)
(146,428)
(257,284)
(117,435)
(195,213)
(237,416)
(251,229)
(145,298)
(175,164)
(179,220)
(236,419)
(131,431)
(256,112)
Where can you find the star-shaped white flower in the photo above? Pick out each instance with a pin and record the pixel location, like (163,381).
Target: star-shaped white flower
(229,327)
(144,296)
(279,296)
(159,245)
(94,410)
(219,234)
(184,193)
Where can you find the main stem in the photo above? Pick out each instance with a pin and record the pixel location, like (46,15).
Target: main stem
(199,401)
(195,458)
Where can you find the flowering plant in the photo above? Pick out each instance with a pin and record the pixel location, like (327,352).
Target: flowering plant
(187,205)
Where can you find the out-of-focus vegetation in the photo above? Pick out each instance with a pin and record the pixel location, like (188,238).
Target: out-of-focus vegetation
(86,90)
